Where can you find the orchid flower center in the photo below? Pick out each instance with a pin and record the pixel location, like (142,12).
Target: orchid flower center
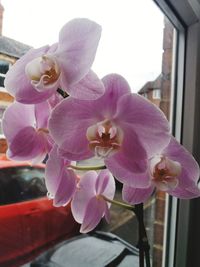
(164,174)
(105,138)
(43,130)
(43,71)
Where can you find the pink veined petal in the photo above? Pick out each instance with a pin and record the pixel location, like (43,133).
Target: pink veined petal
(53,170)
(42,112)
(66,188)
(86,191)
(54,100)
(85,154)
(185,193)
(69,131)
(102,181)
(16,117)
(60,182)
(90,87)
(131,146)
(75,148)
(146,120)
(190,168)
(26,145)
(19,85)
(78,41)
(126,170)
(115,87)
(93,214)
(134,195)
(105,184)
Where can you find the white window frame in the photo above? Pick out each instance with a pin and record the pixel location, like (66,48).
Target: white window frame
(156,93)
(182,233)
(2,107)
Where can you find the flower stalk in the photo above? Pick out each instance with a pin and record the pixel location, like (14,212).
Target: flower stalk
(87,168)
(62,93)
(143,243)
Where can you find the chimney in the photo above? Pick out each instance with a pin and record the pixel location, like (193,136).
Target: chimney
(1,17)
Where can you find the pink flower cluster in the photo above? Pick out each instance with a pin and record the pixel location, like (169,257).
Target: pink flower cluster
(99,118)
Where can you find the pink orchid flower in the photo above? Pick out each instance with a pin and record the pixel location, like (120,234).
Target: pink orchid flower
(89,203)
(174,171)
(40,72)
(25,128)
(122,128)
(60,180)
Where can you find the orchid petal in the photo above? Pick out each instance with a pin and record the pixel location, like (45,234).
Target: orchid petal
(102,181)
(146,120)
(105,184)
(69,131)
(126,170)
(53,170)
(190,168)
(16,117)
(86,191)
(66,188)
(185,193)
(19,85)
(78,41)
(42,112)
(60,182)
(131,145)
(134,195)
(89,88)
(115,87)
(93,214)
(27,144)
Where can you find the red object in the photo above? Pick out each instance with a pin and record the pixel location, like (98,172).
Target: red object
(29,223)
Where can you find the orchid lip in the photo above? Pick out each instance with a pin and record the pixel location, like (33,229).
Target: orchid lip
(43,71)
(165,174)
(105,138)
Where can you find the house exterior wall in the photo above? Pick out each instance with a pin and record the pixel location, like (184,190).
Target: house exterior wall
(5,100)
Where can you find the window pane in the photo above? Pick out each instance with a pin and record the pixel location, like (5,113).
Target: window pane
(136,43)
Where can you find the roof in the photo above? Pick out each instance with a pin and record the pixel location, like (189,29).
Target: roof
(150,85)
(12,48)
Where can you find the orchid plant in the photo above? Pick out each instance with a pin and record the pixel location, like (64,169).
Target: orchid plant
(65,111)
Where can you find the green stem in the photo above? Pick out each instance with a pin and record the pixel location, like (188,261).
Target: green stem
(87,168)
(119,203)
(62,93)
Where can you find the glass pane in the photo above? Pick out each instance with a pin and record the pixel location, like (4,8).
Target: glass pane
(4,66)
(21,184)
(136,42)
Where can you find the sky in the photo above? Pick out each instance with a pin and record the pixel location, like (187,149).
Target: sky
(132,32)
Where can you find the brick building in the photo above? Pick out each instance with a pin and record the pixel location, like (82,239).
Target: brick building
(10,51)
(159,90)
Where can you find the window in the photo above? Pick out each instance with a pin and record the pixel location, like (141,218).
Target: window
(2,109)
(183,217)
(156,94)
(4,66)
(20,184)
(182,234)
